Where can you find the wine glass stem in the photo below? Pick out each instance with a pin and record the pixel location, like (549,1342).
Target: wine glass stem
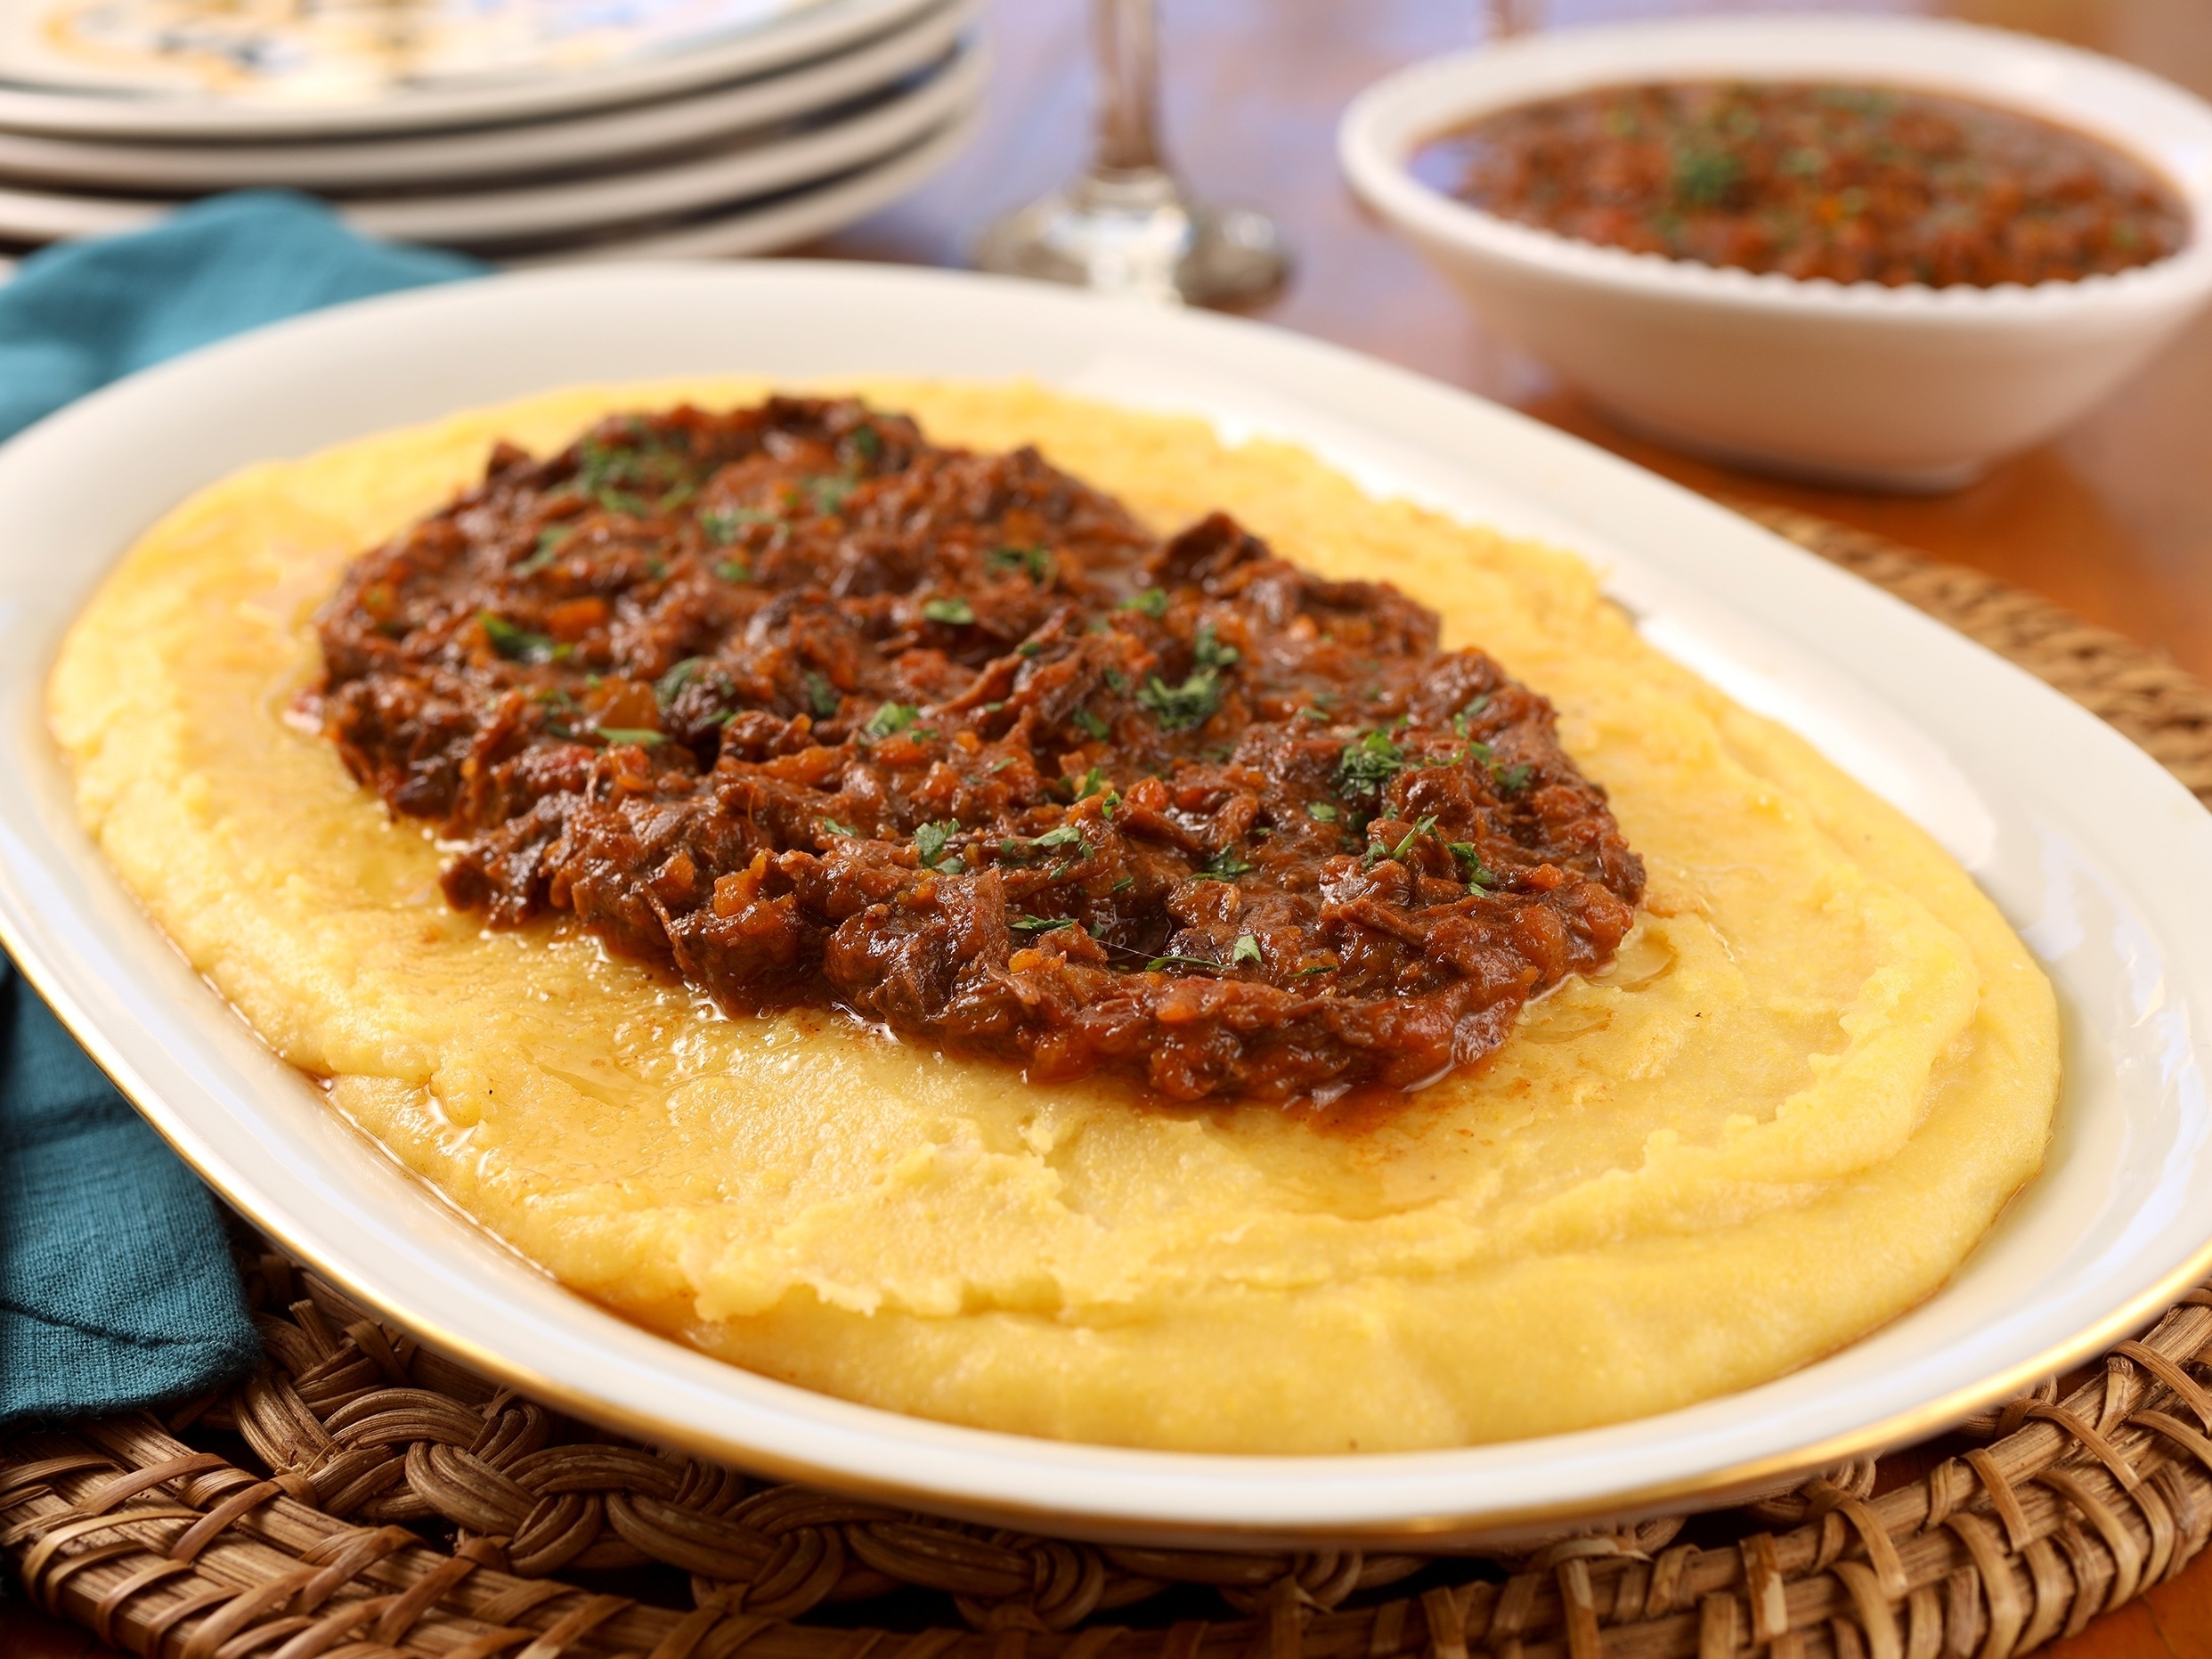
(1508,18)
(1128,109)
(1124,225)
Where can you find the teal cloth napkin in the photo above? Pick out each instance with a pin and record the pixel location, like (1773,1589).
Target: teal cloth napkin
(116,1283)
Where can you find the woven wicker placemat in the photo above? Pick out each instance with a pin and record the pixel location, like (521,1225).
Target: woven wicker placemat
(2140,692)
(361,1496)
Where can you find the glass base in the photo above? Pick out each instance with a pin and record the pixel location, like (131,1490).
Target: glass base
(1136,233)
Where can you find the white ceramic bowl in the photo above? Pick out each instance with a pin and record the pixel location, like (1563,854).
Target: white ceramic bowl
(2098,855)
(1906,387)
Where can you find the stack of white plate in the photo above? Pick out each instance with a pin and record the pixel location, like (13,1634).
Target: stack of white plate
(524,130)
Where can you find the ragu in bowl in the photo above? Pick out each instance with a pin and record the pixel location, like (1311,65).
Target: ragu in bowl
(1886,250)
(1814,180)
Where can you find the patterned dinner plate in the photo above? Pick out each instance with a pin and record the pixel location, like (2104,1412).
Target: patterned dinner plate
(593,139)
(636,51)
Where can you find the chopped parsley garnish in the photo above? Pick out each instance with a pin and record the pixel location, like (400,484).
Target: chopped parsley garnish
(1127,881)
(1066,835)
(733,570)
(560,708)
(599,464)
(1093,784)
(1480,877)
(631,734)
(954,612)
(1319,716)
(1321,811)
(1704,177)
(1367,762)
(1406,845)
(831,826)
(1460,720)
(518,644)
(1027,647)
(1119,680)
(723,524)
(1209,652)
(1037,561)
(1039,924)
(614,474)
(624,502)
(892,716)
(1246,950)
(1515,778)
(821,696)
(828,495)
(548,550)
(1148,601)
(867,444)
(670,685)
(1092,725)
(1192,704)
(1227,864)
(1160,963)
(932,841)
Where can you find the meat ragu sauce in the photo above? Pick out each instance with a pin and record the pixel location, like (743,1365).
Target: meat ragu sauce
(1856,184)
(814,712)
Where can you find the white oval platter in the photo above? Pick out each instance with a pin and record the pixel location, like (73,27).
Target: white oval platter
(593,139)
(2100,858)
(816,30)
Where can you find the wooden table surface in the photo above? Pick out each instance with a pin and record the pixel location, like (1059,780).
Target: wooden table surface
(2112,519)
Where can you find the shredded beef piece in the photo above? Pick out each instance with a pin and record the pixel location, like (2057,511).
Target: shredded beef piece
(811,710)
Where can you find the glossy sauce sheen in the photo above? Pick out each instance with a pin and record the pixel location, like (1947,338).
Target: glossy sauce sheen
(1855,185)
(815,711)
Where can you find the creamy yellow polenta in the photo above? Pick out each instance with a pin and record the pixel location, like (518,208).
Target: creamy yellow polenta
(1819,1067)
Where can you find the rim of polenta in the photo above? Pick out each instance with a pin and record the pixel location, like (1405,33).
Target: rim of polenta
(1813,1074)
